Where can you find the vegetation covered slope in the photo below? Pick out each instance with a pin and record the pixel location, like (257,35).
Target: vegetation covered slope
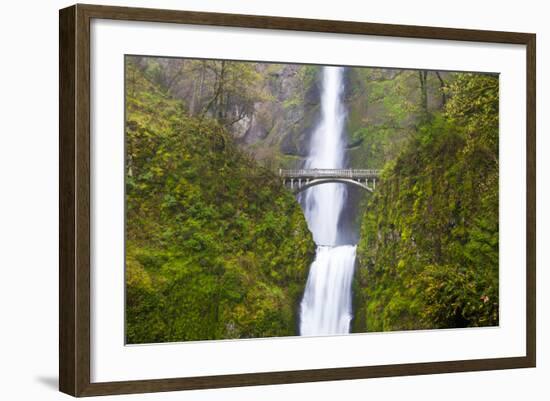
(428,254)
(215,246)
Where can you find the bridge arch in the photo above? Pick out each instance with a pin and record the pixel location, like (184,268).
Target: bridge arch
(321,181)
(302,179)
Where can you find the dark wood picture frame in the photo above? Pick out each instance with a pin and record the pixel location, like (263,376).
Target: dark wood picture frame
(74,199)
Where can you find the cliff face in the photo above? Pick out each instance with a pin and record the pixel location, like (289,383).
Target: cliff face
(277,132)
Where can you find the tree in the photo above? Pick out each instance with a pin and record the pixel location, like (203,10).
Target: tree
(236,87)
(423,78)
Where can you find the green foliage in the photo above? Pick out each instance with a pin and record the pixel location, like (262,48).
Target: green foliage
(428,254)
(216,247)
(386,108)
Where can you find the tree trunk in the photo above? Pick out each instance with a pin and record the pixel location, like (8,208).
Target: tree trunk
(221,95)
(442,86)
(423,76)
(193,99)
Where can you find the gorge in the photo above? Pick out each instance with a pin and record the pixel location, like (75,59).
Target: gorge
(218,248)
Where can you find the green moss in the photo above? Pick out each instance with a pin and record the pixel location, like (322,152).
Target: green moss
(216,246)
(428,254)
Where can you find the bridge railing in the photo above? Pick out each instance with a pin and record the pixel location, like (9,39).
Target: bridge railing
(329,173)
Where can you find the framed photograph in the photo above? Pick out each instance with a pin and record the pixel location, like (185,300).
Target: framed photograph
(250,200)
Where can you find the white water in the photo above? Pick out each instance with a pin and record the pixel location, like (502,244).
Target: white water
(326,305)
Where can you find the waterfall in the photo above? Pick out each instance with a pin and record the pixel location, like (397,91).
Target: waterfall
(326,307)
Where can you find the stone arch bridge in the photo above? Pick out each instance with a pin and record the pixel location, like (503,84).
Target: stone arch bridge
(302,179)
